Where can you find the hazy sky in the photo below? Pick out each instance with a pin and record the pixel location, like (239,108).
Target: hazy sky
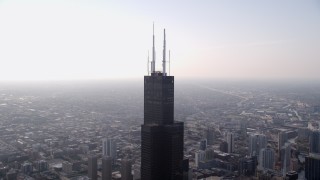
(84,39)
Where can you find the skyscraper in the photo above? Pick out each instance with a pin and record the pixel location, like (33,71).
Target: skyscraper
(92,167)
(314,142)
(282,139)
(126,170)
(256,143)
(203,144)
(210,135)
(109,147)
(230,141)
(161,136)
(106,168)
(266,158)
(312,166)
(247,165)
(285,153)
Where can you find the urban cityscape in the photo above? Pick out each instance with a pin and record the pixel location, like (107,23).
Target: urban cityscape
(196,130)
(233,95)
(231,131)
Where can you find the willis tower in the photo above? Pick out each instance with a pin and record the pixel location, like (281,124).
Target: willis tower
(161,136)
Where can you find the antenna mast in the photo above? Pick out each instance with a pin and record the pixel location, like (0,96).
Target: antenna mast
(169,63)
(148,64)
(164,53)
(153,63)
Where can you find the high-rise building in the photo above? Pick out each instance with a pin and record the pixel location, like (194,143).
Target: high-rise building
(223,147)
(247,166)
(282,139)
(12,174)
(92,167)
(109,148)
(230,141)
(210,135)
(314,142)
(199,156)
(285,153)
(266,158)
(42,165)
(243,128)
(203,144)
(126,170)
(256,143)
(312,166)
(161,136)
(106,168)
(26,168)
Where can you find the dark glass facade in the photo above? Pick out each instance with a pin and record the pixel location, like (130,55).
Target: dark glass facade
(161,136)
(312,167)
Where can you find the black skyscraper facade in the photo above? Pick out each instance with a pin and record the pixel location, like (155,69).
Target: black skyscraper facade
(161,136)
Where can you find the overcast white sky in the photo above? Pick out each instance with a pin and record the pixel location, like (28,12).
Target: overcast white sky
(85,39)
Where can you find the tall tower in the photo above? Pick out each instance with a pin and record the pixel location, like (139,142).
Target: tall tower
(266,158)
(161,136)
(126,170)
(92,167)
(256,143)
(109,148)
(230,141)
(106,168)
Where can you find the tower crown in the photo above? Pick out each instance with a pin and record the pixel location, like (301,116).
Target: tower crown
(164,54)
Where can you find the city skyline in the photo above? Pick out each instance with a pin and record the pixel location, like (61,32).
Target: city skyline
(82,40)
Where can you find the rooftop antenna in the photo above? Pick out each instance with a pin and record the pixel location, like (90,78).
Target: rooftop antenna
(153,63)
(148,64)
(164,53)
(169,63)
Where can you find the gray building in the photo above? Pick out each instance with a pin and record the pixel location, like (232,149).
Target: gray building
(92,167)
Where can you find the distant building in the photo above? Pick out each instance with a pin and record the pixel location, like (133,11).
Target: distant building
(106,168)
(136,172)
(256,143)
(282,139)
(243,128)
(109,148)
(247,166)
(41,165)
(266,158)
(67,167)
(312,166)
(26,168)
(230,141)
(12,174)
(92,167)
(294,165)
(223,147)
(126,170)
(199,156)
(314,142)
(210,135)
(203,144)
(285,158)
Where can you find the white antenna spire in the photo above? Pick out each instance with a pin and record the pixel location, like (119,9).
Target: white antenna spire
(153,63)
(169,63)
(148,64)
(164,53)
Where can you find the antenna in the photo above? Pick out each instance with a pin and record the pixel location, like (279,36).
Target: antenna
(164,53)
(148,64)
(169,63)
(153,63)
